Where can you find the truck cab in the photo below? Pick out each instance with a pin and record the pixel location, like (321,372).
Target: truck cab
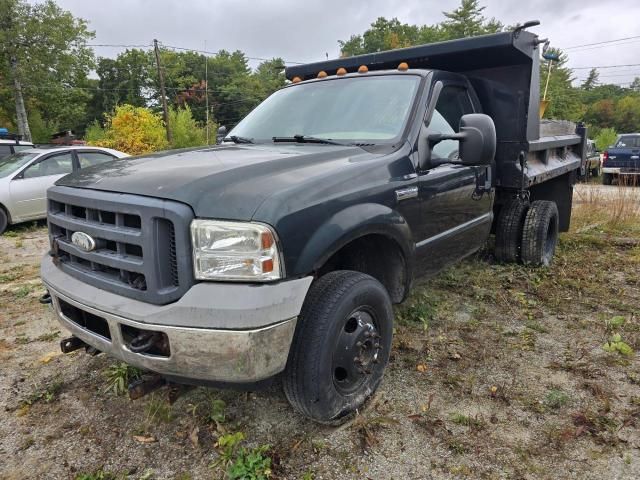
(280,253)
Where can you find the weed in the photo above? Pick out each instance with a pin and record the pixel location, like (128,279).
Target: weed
(97,475)
(22,340)
(158,409)
(46,395)
(19,243)
(217,410)
(615,323)
(473,423)
(23,291)
(616,345)
(227,446)
(308,475)
(48,337)
(555,399)
(119,376)
(251,464)
(457,447)
(536,327)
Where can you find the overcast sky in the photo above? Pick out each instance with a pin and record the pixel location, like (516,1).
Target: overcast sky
(305,31)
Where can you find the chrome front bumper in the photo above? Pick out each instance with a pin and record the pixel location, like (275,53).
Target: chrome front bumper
(199,353)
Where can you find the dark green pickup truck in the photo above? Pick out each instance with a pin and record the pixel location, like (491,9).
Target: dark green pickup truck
(280,253)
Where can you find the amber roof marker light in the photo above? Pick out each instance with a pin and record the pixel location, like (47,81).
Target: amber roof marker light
(363,69)
(403,66)
(296,80)
(341,71)
(322,74)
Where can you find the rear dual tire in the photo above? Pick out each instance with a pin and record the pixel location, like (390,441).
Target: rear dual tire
(340,348)
(607,178)
(527,233)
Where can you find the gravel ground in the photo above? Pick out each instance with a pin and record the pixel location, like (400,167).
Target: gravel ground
(496,372)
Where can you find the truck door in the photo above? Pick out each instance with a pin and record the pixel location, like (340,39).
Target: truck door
(456,214)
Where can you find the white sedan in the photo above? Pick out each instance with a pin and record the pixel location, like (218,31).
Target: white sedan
(25,177)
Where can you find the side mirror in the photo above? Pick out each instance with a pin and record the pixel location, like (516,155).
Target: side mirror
(477,137)
(478,147)
(222,132)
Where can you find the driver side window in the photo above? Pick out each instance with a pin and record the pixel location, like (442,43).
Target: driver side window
(452,104)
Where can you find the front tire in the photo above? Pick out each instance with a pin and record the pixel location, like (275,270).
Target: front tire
(607,178)
(540,233)
(4,221)
(341,346)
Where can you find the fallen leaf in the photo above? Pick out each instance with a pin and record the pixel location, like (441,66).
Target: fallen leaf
(23,410)
(193,436)
(49,356)
(421,367)
(144,439)
(454,356)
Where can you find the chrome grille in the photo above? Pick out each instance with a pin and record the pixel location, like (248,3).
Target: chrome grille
(142,249)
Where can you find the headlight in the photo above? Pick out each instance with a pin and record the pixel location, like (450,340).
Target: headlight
(234,251)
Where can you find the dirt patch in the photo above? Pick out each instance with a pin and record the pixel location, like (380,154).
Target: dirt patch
(497,371)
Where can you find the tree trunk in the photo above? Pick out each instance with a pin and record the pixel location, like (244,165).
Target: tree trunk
(21,112)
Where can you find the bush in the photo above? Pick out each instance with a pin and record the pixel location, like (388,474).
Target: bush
(133,130)
(605,138)
(185,130)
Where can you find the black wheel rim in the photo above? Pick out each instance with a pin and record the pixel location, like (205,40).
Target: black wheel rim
(357,351)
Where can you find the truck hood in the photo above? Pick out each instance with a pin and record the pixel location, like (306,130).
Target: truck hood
(226,182)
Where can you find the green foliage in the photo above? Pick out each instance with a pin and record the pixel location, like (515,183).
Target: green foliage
(605,138)
(616,345)
(119,376)
(217,410)
(133,130)
(158,409)
(97,475)
(465,21)
(185,131)
(251,464)
(49,51)
(227,445)
(556,399)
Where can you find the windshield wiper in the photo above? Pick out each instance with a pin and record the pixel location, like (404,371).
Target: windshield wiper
(237,139)
(306,139)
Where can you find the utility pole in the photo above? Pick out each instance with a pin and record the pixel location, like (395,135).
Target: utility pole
(165,110)
(206,89)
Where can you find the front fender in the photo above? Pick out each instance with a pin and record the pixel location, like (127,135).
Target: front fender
(349,224)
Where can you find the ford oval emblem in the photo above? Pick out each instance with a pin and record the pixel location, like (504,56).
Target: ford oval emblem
(83,241)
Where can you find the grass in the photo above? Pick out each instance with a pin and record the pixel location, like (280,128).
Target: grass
(119,376)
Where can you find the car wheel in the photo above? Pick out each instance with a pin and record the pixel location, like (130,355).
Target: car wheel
(340,348)
(607,178)
(540,233)
(595,172)
(509,231)
(4,221)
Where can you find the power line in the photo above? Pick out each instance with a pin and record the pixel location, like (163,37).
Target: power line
(605,66)
(602,43)
(206,52)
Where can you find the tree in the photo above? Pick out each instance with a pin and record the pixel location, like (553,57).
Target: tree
(605,138)
(564,99)
(186,132)
(133,130)
(466,20)
(627,114)
(591,80)
(125,79)
(42,50)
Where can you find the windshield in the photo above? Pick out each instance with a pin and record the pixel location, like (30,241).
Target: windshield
(628,141)
(10,164)
(367,109)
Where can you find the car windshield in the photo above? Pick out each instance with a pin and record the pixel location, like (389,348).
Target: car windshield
(10,164)
(364,109)
(628,141)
